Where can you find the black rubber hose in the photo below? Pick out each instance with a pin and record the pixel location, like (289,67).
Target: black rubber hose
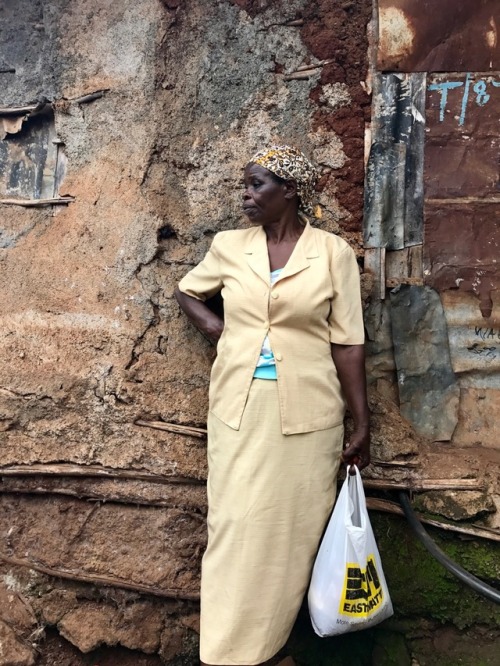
(462,574)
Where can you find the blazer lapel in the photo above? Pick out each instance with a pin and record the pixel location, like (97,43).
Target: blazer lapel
(257,255)
(305,249)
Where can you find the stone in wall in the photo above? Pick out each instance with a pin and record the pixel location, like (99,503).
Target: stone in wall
(18,627)
(463,505)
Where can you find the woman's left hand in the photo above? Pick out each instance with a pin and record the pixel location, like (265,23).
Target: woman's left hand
(357,450)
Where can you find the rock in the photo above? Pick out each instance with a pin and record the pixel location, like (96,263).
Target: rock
(137,626)
(456,505)
(13,650)
(172,643)
(17,629)
(56,604)
(16,610)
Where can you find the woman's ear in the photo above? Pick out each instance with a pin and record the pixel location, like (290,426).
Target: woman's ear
(291,189)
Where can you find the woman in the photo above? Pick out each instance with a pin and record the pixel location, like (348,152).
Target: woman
(289,351)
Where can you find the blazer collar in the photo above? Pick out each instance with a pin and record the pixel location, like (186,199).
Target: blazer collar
(258,258)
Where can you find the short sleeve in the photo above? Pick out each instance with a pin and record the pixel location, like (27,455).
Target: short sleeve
(204,281)
(346,315)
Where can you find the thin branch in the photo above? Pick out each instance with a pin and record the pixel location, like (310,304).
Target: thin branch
(106,581)
(96,496)
(314,65)
(18,111)
(301,75)
(306,71)
(376,504)
(85,99)
(35,203)
(422,485)
(174,427)
(69,469)
(395,463)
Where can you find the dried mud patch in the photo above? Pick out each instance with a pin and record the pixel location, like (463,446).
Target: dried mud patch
(337,33)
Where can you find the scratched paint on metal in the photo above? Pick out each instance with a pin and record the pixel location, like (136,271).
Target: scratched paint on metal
(462,136)
(462,249)
(474,341)
(438,36)
(461,180)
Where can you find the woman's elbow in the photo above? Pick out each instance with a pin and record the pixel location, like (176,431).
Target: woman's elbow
(178,295)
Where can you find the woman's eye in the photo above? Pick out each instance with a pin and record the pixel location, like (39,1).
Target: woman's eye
(256,183)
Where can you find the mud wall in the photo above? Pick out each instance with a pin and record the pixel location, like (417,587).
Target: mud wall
(126,127)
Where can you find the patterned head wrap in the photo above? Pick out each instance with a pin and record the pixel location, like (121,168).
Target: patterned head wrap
(291,164)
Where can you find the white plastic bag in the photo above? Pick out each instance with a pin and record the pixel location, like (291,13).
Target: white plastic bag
(348,590)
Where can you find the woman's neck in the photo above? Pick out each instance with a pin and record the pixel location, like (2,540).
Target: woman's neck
(287,229)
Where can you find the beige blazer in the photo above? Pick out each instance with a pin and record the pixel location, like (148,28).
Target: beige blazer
(315,301)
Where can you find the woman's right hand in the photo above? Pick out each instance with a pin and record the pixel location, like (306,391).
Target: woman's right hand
(209,324)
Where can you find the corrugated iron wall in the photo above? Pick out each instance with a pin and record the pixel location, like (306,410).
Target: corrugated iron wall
(432,226)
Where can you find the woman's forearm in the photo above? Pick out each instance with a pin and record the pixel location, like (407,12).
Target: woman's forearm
(350,363)
(208,323)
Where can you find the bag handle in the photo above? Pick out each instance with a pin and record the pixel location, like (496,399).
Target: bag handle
(357,501)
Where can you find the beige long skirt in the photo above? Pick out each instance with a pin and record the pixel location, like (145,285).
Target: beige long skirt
(269,498)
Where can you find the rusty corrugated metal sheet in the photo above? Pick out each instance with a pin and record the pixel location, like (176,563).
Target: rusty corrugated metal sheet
(444,36)
(445,335)
(461,179)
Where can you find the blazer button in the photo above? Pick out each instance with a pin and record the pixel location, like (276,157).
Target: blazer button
(278,356)
(274,295)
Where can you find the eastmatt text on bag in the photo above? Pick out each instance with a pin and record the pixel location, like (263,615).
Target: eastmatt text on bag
(362,591)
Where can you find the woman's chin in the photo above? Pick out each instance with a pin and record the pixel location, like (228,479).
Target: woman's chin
(252,214)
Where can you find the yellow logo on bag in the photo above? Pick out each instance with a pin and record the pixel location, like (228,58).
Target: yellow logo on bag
(362,593)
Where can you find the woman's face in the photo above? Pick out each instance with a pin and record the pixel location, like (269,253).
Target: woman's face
(264,198)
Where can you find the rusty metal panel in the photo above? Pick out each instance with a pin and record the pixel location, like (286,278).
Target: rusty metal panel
(404,266)
(438,36)
(446,334)
(462,249)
